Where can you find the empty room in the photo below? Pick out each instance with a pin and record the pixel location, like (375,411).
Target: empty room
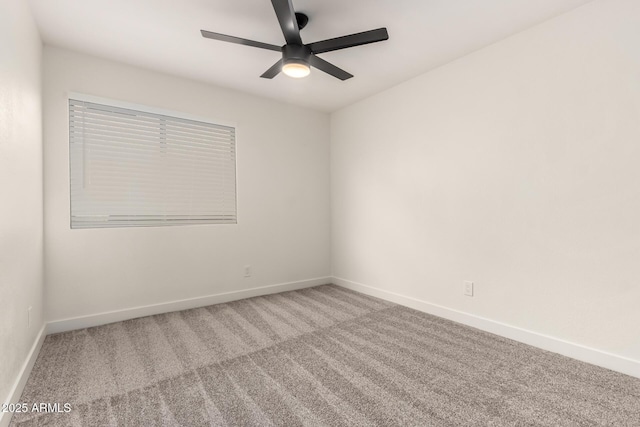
(319,213)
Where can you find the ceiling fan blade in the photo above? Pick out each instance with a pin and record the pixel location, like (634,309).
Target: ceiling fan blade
(329,68)
(287,19)
(238,40)
(273,71)
(351,40)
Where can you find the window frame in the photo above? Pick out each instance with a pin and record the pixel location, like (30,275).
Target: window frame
(76,96)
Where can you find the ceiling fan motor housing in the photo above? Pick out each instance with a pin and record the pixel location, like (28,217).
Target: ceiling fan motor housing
(295,53)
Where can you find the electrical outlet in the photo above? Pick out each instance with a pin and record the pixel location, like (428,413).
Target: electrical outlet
(247,271)
(468,288)
(29,318)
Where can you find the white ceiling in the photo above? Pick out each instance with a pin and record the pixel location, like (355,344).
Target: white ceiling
(164,35)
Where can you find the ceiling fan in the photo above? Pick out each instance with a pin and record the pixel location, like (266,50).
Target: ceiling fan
(297,58)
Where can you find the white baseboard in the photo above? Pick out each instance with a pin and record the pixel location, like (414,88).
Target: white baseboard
(23,376)
(82,322)
(576,351)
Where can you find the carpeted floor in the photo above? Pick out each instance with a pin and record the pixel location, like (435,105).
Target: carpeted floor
(319,356)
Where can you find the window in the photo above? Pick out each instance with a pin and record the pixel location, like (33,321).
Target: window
(131,168)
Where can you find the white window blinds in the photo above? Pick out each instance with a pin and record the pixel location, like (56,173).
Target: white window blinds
(133,168)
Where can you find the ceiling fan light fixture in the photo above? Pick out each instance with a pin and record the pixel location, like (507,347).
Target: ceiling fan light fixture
(296,68)
(297,57)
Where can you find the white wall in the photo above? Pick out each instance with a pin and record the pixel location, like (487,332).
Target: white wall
(20,189)
(516,167)
(283,199)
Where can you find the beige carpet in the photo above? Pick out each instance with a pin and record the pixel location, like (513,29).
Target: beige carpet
(319,356)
